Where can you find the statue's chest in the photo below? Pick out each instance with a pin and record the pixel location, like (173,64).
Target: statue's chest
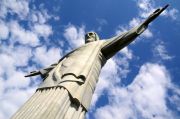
(80,61)
(82,54)
(86,50)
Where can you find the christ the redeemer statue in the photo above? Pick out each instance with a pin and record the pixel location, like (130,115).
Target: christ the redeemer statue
(68,85)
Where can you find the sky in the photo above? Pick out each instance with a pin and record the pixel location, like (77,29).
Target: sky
(139,82)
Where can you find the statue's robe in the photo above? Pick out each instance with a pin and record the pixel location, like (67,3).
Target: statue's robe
(68,86)
(78,72)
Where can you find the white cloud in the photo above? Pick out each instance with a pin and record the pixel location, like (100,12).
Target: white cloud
(19,7)
(144,98)
(22,56)
(174,98)
(127,52)
(14,56)
(41,18)
(102,22)
(172,13)
(38,17)
(6,64)
(148,6)
(43,30)
(46,57)
(75,36)
(135,22)
(19,54)
(144,4)
(17,80)
(160,50)
(23,36)
(147,34)
(34,18)
(1,86)
(4,30)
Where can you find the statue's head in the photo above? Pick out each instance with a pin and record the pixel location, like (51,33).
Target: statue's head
(91,36)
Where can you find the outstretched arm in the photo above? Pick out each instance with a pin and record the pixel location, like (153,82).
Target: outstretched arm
(42,72)
(112,46)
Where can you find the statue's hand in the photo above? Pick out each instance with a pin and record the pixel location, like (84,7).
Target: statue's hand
(142,27)
(33,73)
(154,15)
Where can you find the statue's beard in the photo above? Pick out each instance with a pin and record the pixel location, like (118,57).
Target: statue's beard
(90,40)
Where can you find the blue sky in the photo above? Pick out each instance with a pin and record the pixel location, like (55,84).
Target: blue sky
(140,82)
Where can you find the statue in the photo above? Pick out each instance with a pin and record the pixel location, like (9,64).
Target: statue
(68,85)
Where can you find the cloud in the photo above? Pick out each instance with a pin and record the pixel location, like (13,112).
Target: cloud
(43,30)
(4,30)
(74,35)
(144,98)
(172,13)
(174,97)
(161,51)
(17,80)
(21,55)
(6,59)
(102,22)
(146,7)
(19,7)
(46,57)
(22,36)
(127,52)
(40,16)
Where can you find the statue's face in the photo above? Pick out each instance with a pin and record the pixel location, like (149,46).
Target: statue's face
(90,37)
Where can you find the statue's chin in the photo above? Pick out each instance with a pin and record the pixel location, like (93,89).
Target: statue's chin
(90,40)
